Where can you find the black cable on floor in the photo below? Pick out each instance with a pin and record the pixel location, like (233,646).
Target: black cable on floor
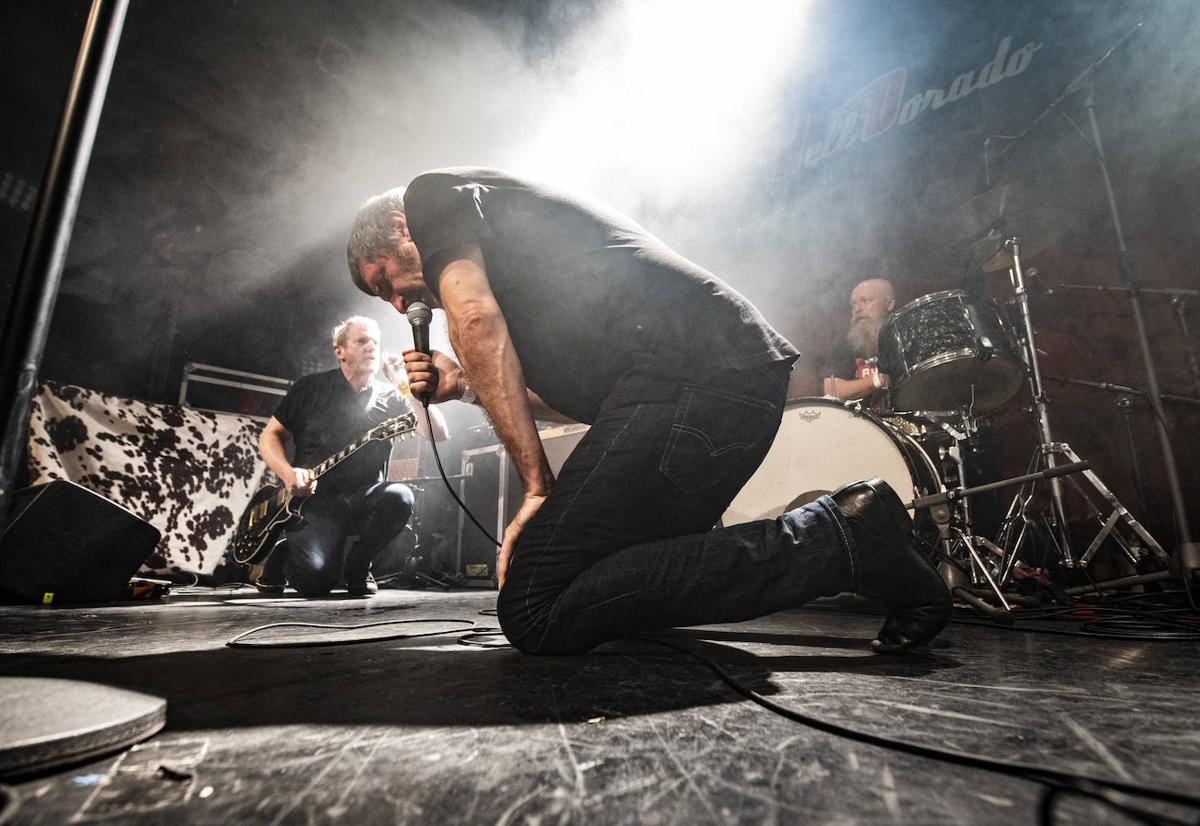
(1059,782)
(480,636)
(484,637)
(1109,618)
(236,642)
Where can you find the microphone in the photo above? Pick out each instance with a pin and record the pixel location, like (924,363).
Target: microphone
(419,317)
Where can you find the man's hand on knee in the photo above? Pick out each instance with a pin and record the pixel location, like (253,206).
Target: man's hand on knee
(529,506)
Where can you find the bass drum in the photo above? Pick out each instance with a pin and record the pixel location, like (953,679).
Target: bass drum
(822,444)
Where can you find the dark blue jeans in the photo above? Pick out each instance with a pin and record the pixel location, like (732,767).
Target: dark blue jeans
(624,542)
(315,560)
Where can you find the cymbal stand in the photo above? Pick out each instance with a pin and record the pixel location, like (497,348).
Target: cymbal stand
(1046,454)
(1047,447)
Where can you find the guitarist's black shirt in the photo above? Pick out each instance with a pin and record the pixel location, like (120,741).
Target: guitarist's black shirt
(324,414)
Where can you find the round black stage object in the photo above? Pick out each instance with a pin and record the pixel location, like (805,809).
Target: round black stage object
(46,723)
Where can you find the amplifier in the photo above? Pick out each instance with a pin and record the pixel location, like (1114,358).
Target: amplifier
(492,490)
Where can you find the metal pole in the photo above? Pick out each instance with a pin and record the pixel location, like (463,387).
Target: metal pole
(1124,404)
(27,321)
(1058,508)
(1187,554)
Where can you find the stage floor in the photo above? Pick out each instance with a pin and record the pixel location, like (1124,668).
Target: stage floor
(428,730)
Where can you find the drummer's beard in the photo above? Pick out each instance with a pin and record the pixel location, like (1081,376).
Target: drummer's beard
(863,336)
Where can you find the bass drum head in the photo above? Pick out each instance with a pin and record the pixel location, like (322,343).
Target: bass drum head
(821,445)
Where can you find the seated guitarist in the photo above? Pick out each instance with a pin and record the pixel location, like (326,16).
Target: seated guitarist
(321,414)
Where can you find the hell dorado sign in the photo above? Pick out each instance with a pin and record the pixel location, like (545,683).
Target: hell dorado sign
(885,103)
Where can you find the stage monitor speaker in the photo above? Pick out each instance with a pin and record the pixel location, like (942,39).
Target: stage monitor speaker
(65,543)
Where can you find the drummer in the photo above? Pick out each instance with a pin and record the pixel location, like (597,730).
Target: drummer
(856,374)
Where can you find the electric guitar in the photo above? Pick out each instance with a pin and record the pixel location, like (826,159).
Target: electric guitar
(272,507)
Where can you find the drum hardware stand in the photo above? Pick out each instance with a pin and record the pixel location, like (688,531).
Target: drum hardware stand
(1132,549)
(964,536)
(1107,525)
(1120,582)
(1046,453)
(1186,561)
(956,580)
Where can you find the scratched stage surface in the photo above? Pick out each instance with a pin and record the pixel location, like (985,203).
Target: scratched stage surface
(430,731)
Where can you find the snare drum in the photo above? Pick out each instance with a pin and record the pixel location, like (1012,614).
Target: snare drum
(943,353)
(822,444)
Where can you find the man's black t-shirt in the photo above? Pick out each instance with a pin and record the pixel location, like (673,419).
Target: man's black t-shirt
(845,364)
(324,414)
(587,293)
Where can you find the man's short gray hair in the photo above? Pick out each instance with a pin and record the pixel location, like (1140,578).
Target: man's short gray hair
(372,232)
(341,332)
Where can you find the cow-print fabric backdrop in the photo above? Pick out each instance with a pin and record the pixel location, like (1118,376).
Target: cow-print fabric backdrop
(189,473)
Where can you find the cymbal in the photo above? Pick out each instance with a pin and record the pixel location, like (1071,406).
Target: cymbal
(990,207)
(994,255)
(1035,222)
(988,251)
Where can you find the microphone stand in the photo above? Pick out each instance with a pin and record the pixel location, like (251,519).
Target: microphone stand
(1178,298)
(1187,551)
(1122,388)
(1124,403)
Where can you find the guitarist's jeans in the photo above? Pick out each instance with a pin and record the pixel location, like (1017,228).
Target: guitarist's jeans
(378,513)
(623,542)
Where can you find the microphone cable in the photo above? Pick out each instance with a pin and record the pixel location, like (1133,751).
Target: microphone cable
(1056,783)
(419,315)
(442,472)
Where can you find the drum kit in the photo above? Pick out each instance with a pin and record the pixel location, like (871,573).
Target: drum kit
(952,361)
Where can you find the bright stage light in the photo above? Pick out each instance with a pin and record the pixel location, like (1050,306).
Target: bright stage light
(668,92)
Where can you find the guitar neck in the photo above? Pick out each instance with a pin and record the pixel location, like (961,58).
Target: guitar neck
(349,450)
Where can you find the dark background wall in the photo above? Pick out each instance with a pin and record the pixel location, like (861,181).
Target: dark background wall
(239,137)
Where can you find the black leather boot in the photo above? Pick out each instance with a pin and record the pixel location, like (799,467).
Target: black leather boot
(886,566)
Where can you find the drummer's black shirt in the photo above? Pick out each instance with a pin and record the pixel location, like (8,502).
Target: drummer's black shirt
(846,365)
(589,296)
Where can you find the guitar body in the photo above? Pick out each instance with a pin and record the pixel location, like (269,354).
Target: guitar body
(268,513)
(272,507)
